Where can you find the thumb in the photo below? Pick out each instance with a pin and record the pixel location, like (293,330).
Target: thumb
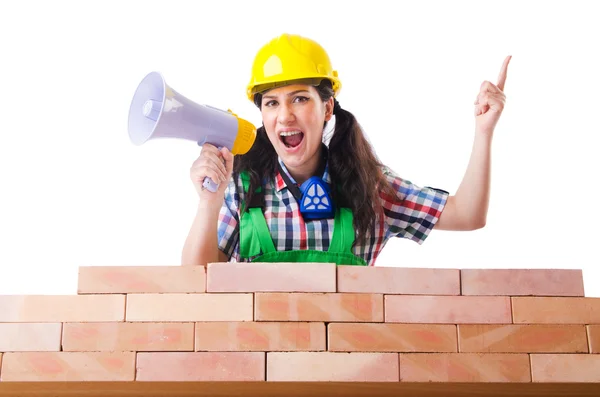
(228,157)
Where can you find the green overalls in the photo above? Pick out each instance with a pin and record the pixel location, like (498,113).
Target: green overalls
(255,238)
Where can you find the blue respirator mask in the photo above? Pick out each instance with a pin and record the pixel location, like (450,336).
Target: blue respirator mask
(313,195)
(315,202)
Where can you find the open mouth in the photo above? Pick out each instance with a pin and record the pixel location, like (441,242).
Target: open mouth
(291,139)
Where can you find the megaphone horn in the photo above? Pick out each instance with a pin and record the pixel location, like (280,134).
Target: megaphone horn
(158,111)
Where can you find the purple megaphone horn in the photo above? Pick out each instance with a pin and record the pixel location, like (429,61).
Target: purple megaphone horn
(158,111)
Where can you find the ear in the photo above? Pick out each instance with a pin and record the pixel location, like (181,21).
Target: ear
(329,109)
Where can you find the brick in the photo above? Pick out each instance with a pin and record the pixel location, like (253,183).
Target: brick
(397,280)
(128,337)
(388,337)
(21,337)
(565,368)
(189,307)
(201,366)
(318,307)
(61,308)
(142,279)
(447,309)
(271,277)
(522,338)
(332,367)
(556,310)
(593,337)
(464,367)
(512,282)
(68,366)
(256,336)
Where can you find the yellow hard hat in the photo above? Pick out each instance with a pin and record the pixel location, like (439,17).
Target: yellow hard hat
(289,58)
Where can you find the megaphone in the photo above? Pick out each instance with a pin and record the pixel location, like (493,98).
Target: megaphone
(158,111)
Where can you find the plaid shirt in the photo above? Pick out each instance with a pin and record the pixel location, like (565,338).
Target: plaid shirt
(410,214)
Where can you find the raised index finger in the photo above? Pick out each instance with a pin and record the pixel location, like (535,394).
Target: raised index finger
(502,75)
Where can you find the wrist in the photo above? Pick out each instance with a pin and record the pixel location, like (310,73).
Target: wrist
(209,205)
(484,136)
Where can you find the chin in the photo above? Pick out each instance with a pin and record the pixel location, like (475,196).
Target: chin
(291,160)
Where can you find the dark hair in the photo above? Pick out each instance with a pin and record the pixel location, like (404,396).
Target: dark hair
(355,170)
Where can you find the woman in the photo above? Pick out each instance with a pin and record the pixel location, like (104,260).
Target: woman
(293,198)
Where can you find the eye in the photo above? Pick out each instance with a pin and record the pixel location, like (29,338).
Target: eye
(270,103)
(300,99)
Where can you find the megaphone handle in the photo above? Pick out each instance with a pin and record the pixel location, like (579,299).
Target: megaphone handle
(210,185)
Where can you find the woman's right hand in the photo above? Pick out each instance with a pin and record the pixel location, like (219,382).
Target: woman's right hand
(215,164)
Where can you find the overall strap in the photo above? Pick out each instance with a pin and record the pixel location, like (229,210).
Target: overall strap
(343,231)
(261,232)
(254,232)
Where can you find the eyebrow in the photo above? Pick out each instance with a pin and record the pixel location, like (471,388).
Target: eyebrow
(290,94)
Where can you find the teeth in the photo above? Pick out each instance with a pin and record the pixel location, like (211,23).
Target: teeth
(290,133)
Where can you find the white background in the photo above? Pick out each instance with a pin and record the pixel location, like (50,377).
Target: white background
(75,192)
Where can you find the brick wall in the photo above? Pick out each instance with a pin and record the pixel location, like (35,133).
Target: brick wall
(304,329)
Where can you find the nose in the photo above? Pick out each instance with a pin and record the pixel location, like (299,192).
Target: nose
(285,114)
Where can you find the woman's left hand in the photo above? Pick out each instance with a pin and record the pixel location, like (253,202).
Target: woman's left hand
(490,102)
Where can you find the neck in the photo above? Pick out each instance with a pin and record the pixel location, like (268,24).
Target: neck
(308,169)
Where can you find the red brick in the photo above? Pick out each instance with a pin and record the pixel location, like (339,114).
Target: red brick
(128,337)
(594,338)
(538,282)
(61,308)
(21,337)
(362,337)
(143,279)
(189,307)
(318,307)
(201,366)
(256,336)
(271,277)
(464,367)
(68,366)
(565,367)
(332,367)
(556,310)
(447,309)
(522,338)
(397,280)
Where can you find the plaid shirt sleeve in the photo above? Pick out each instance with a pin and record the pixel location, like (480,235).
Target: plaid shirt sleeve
(414,211)
(228,228)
